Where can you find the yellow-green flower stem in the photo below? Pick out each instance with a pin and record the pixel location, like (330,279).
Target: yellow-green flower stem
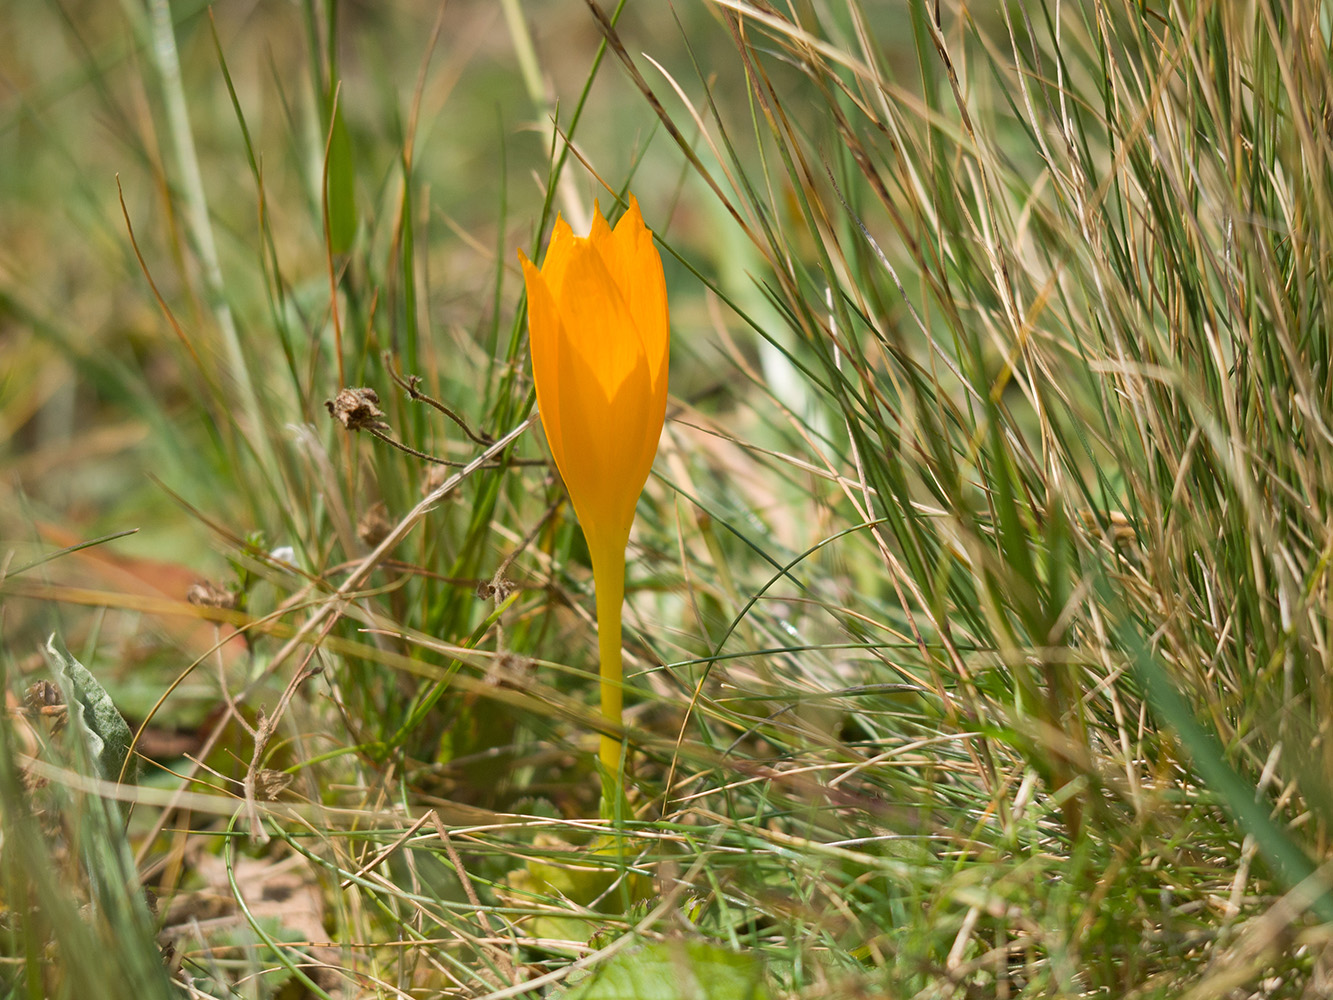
(608,574)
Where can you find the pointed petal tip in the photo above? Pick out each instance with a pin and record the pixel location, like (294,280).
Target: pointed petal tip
(631,224)
(600,229)
(562,231)
(531,272)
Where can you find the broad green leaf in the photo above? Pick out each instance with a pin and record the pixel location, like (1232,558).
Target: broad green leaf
(105,733)
(674,970)
(592,884)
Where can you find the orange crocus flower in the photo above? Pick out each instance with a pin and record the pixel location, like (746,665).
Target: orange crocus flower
(598,329)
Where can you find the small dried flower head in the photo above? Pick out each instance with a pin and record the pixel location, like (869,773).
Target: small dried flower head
(509,670)
(43,694)
(273,783)
(357,409)
(374,525)
(208,594)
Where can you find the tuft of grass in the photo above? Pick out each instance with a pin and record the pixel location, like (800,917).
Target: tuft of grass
(978,613)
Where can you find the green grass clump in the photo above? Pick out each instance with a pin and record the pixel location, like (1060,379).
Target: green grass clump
(977,634)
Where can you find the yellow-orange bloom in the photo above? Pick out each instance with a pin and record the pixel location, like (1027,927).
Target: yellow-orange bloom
(597,323)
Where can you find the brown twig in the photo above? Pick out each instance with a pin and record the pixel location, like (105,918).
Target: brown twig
(409,385)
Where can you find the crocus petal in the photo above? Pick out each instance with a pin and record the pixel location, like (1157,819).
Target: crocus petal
(545,336)
(558,251)
(636,269)
(594,311)
(606,475)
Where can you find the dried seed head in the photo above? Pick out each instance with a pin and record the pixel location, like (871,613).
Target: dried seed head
(43,694)
(273,783)
(357,409)
(374,525)
(497,589)
(208,594)
(509,670)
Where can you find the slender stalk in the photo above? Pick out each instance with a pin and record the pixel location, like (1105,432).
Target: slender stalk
(608,572)
(201,225)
